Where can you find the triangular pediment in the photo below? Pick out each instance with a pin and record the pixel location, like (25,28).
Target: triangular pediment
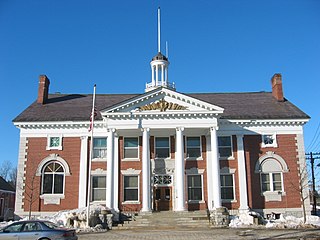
(162,100)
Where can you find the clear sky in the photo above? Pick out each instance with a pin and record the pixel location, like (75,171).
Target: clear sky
(214,46)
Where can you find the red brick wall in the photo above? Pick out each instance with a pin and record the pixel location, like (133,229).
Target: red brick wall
(36,152)
(288,151)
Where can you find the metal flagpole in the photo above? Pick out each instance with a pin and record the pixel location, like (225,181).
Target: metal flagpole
(91,153)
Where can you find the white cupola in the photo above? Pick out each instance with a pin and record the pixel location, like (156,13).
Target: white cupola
(159,68)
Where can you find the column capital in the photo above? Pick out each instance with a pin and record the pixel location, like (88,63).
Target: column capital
(240,135)
(83,137)
(180,129)
(111,130)
(214,128)
(145,129)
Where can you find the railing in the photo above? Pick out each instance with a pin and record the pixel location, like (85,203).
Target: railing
(159,84)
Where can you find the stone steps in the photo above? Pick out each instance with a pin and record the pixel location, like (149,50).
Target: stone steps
(166,220)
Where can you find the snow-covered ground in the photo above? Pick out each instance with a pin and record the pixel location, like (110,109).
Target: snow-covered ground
(76,218)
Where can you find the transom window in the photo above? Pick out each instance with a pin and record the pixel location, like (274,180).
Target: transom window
(131,147)
(99,184)
(100,148)
(162,147)
(131,189)
(225,147)
(193,147)
(162,179)
(194,188)
(53,178)
(271,182)
(227,190)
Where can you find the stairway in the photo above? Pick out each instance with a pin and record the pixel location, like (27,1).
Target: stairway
(165,220)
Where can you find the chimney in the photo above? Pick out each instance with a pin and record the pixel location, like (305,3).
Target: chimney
(276,82)
(43,89)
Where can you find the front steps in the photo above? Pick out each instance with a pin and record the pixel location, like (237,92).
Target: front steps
(166,220)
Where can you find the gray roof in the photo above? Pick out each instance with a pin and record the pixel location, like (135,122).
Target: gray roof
(77,107)
(5,186)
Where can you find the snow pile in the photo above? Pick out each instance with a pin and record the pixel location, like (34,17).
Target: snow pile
(247,219)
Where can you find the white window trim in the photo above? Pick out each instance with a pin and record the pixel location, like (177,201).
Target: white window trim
(193,158)
(274,137)
(202,190)
(233,187)
(138,147)
(271,182)
(136,201)
(155,148)
(100,159)
(54,148)
(231,146)
(97,175)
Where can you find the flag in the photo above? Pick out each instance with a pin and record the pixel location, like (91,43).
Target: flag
(94,110)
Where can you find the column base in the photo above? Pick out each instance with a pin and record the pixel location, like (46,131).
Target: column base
(219,217)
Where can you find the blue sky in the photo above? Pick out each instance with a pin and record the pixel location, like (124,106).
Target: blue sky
(214,46)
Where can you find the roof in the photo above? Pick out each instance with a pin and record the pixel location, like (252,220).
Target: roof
(160,56)
(5,186)
(77,107)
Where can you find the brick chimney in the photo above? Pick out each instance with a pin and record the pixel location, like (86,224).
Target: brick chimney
(276,82)
(43,89)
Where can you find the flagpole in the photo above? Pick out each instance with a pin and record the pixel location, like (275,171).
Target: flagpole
(91,153)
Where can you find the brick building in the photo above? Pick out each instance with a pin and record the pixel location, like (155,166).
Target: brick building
(162,150)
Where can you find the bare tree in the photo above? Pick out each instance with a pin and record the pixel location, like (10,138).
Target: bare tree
(303,189)
(5,169)
(13,177)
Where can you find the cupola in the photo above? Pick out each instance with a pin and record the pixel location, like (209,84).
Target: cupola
(159,68)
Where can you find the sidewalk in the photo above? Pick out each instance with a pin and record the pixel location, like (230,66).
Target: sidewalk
(205,233)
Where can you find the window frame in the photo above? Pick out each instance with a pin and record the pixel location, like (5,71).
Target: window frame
(92,188)
(189,188)
(53,179)
(231,157)
(271,182)
(233,187)
(49,147)
(200,148)
(124,149)
(94,158)
(155,148)
(138,189)
(264,137)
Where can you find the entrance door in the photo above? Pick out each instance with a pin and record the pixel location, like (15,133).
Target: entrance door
(162,198)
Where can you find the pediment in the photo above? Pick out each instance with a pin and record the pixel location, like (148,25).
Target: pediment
(162,100)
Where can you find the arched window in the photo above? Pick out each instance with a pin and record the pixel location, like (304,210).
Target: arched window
(271,168)
(53,175)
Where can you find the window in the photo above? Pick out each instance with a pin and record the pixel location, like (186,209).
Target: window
(99,188)
(225,147)
(54,142)
(162,147)
(131,147)
(193,147)
(271,182)
(227,191)
(53,178)
(15,227)
(99,148)
(162,179)
(131,188)
(194,188)
(269,140)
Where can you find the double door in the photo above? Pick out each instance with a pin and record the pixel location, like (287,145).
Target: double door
(162,198)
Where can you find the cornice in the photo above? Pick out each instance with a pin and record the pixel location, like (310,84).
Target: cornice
(263,122)
(58,125)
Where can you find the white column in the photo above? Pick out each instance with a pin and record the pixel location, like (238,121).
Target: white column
(116,174)
(83,172)
(152,72)
(242,174)
(146,207)
(179,171)
(209,174)
(110,166)
(157,75)
(162,75)
(215,168)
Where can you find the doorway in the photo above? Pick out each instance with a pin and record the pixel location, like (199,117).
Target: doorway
(162,198)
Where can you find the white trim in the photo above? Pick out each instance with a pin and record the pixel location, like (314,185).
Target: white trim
(155,147)
(231,148)
(232,173)
(53,157)
(199,173)
(273,137)
(138,149)
(186,145)
(271,156)
(138,186)
(49,137)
